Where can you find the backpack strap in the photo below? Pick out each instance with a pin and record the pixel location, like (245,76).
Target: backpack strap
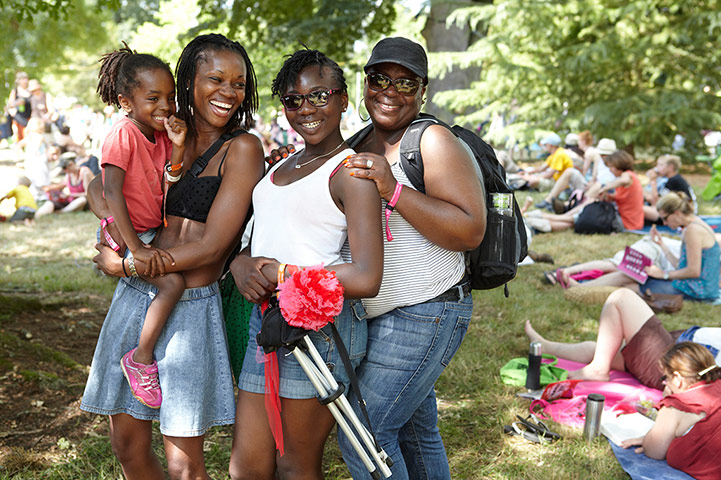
(410,149)
(202,161)
(359,136)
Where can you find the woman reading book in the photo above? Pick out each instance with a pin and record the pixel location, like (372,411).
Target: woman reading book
(687,432)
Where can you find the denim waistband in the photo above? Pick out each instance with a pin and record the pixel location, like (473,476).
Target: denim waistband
(454,294)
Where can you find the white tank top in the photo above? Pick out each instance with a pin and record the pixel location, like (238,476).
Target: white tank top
(299,223)
(415,269)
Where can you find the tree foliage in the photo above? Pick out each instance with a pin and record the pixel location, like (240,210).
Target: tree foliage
(636,71)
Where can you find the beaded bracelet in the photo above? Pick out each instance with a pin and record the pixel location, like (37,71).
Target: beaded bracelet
(131,267)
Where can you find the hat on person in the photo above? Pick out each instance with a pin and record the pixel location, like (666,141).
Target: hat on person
(66,158)
(551,139)
(606,146)
(33,85)
(401,51)
(571,139)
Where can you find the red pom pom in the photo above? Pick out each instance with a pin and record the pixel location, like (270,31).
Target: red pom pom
(311,298)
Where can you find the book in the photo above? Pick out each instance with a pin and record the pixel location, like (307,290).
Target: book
(625,426)
(633,264)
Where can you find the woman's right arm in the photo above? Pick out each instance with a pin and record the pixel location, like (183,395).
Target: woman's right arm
(656,442)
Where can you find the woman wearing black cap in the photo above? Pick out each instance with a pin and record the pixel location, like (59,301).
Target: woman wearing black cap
(421,314)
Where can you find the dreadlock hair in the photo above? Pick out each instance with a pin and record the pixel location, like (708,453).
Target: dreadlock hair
(294,63)
(197,51)
(119,71)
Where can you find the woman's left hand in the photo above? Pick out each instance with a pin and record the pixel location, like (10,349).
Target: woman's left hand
(373,167)
(654,271)
(108,261)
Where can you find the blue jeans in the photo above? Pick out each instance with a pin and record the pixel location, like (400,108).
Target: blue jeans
(408,348)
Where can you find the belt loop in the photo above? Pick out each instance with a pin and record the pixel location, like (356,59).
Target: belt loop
(461,295)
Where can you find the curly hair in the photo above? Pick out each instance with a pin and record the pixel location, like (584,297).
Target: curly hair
(197,51)
(294,63)
(119,70)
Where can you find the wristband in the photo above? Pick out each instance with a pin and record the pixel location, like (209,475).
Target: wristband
(122,262)
(292,270)
(281,273)
(172,178)
(170,168)
(390,206)
(131,267)
(103,226)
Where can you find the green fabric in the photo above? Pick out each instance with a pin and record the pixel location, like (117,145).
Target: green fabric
(713,188)
(236,310)
(514,372)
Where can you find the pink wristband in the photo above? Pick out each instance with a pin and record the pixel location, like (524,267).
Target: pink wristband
(103,224)
(390,206)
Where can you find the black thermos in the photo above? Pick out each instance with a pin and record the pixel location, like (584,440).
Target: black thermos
(533,375)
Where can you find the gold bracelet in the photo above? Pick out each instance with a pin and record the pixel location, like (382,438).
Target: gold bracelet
(131,267)
(281,273)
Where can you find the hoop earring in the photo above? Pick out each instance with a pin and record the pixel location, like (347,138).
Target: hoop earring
(360,115)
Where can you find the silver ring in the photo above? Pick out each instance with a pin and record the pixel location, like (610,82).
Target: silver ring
(369,163)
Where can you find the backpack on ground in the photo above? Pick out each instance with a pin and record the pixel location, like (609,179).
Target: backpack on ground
(495,261)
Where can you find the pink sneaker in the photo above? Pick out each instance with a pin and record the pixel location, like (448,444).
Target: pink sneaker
(143,380)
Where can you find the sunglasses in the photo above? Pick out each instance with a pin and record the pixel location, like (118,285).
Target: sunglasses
(664,217)
(663,379)
(319,98)
(404,86)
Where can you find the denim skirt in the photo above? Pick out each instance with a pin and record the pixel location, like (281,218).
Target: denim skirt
(294,383)
(192,355)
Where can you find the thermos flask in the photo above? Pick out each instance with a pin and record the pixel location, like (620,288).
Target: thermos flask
(594,409)
(533,374)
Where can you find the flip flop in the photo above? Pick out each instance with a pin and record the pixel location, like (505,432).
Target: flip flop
(515,430)
(539,428)
(550,277)
(560,279)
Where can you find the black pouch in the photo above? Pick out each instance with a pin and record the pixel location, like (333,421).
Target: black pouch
(274,330)
(497,255)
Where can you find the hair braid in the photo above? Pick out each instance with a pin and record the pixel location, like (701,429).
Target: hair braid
(197,51)
(119,70)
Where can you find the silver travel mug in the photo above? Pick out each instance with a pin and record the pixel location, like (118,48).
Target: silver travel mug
(594,409)
(533,374)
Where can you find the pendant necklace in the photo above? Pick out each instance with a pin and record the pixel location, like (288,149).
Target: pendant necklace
(298,165)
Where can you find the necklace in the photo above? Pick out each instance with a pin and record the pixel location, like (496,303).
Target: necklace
(298,165)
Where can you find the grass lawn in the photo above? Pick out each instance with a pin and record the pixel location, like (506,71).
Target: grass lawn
(52,260)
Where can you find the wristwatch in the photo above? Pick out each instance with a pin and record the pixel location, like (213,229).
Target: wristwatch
(665,275)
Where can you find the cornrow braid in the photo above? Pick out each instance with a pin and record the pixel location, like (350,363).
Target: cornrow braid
(197,51)
(294,63)
(119,70)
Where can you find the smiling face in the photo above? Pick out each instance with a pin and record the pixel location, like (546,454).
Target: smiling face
(152,101)
(318,125)
(389,109)
(219,87)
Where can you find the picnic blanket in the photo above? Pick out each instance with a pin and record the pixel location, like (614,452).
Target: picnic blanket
(622,391)
(640,467)
(714,221)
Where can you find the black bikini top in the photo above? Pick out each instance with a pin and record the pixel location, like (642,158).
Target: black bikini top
(193,195)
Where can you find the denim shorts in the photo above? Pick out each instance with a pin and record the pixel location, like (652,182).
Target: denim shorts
(192,356)
(293,381)
(146,237)
(657,285)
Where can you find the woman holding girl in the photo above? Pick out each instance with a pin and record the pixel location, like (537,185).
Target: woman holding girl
(305,211)
(205,218)
(418,320)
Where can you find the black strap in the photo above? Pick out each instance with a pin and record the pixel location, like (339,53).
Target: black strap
(202,161)
(353,381)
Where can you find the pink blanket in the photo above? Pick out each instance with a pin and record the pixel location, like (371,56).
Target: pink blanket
(622,392)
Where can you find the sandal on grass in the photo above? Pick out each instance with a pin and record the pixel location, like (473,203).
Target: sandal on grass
(549,277)
(561,279)
(517,429)
(535,425)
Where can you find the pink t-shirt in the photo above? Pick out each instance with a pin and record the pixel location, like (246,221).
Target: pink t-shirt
(127,148)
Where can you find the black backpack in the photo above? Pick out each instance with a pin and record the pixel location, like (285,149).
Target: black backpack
(495,261)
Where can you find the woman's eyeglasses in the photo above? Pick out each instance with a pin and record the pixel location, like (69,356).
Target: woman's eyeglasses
(404,86)
(663,379)
(664,217)
(319,98)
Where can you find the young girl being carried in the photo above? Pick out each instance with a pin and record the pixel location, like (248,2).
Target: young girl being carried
(134,155)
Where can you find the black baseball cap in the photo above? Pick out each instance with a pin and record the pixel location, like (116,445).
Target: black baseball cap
(401,51)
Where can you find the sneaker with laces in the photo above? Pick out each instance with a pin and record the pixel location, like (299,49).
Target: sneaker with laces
(143,380)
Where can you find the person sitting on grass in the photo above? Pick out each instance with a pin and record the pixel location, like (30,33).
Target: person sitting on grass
(25,206)
(687,431)
(696,273)
(630,338)
(664,178)
(626,194)
(70,195)
(543,178)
